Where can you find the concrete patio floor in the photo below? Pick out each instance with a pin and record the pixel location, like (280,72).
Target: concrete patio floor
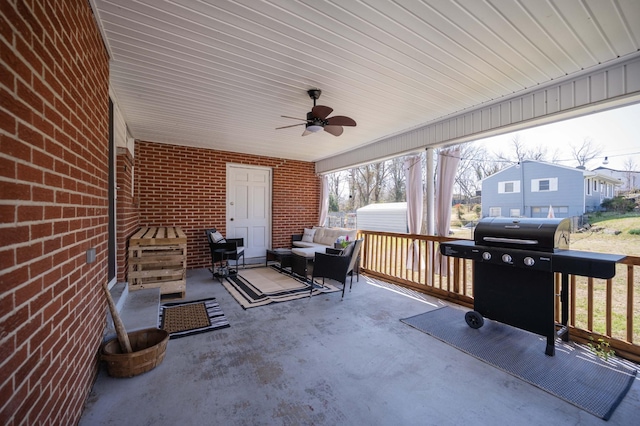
(322,361)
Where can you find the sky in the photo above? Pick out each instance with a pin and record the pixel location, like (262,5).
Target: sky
(616,131)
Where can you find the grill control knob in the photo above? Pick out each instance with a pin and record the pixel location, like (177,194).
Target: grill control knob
(529,261)
(486,255)
(506,258)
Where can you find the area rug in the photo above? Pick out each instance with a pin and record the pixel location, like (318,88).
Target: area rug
(182,319)
(262,286)
(574,374)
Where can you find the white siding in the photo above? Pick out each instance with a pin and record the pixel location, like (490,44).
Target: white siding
(383,217)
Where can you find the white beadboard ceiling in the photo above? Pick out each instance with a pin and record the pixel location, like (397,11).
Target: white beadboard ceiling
(219,74)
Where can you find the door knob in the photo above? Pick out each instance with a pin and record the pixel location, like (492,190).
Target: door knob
(231,219)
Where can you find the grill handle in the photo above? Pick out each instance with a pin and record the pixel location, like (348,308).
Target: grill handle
(510,240)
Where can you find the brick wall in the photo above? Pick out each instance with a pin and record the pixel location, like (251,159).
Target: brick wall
(126,209)
(185,186)
(53,207)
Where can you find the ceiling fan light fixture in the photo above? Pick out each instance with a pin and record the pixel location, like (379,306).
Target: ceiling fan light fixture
(314,128)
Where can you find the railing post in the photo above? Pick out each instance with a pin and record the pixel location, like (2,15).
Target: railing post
(630,303)
(456,275)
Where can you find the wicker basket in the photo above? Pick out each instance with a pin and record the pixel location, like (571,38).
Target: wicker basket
(148,347)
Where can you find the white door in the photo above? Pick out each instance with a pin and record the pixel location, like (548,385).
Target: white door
(249,207)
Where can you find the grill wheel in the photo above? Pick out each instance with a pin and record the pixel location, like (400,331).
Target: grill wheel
(474,319)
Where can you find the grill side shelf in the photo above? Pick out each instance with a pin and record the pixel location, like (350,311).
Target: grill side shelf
(584,263)
(465,249)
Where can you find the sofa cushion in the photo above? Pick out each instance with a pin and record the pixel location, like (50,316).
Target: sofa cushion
(319,234)
(309,252)
(330,235)
(304,244)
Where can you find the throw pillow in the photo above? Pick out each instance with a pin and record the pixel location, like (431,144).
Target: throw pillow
(308,234)
(217,237)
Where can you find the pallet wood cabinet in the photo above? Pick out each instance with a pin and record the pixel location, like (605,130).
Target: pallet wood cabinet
(158,258)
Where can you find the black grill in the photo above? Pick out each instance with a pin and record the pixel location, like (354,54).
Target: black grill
(514,262)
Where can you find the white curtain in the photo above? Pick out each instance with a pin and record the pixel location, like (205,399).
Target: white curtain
(324,200)
(413,178)
(448,160)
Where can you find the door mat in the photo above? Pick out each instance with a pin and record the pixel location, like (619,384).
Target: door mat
(182,319)
(574,374)
(262,286)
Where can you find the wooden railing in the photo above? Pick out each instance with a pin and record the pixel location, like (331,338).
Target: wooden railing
(607,309)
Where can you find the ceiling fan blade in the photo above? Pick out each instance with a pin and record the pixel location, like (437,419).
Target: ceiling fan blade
(334,130)
(321,111)
(341,120)
(293,125)
(294,118)
(306,132)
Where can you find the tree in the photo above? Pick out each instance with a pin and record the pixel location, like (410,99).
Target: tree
(351,202)
(585,152)
(630,174)
(521,152)
(396,180)
(334,205)
(474,166)
(369,181)
(336,188)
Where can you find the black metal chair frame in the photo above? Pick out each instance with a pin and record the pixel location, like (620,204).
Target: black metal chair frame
(230,248)
(337,267)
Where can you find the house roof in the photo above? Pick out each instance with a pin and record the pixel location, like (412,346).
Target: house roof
(615,170)
(603,177)
(219,74)
(585,173)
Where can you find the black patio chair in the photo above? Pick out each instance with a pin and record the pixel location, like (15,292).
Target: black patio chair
(338,266)
(224,248)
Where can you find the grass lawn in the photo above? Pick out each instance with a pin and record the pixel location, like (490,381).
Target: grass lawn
(600,238)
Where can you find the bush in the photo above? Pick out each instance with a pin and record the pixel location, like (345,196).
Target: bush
(478,209)
(618,204)
(634,231)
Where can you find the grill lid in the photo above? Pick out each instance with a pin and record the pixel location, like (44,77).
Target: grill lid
(524,233)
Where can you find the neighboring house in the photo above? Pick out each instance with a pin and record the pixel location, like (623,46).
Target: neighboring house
(629,180)
(530,188)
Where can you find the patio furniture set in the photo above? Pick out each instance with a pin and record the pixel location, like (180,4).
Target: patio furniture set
(314,254)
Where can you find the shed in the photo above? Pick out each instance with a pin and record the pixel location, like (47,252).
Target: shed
(384,217)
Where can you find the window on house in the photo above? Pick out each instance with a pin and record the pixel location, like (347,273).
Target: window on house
(508,187)
(514,212)
(494,211)
(543,211)
(588,186)
(545,184)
